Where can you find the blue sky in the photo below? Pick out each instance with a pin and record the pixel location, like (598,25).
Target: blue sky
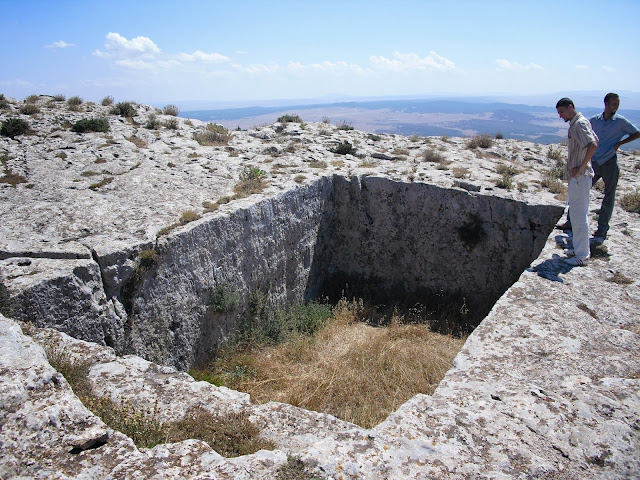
(251,51)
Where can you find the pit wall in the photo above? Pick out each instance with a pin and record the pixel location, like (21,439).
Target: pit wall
(409,237)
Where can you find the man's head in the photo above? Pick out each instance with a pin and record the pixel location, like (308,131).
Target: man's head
(566,109)
(611,104)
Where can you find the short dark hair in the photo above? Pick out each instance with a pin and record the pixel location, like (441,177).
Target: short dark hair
(565,102)
(610,96)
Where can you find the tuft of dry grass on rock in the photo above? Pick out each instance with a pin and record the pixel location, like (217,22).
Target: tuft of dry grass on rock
(349,369)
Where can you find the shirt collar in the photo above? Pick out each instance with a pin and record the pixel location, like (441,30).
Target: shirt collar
(575,118)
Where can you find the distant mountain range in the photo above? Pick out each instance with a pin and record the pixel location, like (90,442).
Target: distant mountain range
(427,117)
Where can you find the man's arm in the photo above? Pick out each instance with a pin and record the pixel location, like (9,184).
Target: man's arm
(630,138)
(577,171)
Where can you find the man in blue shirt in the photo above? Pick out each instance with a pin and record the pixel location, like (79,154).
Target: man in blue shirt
(610,129)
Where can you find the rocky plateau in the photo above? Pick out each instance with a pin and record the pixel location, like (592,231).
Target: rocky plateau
(111,243)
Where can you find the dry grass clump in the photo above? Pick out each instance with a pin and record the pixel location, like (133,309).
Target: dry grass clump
(137,141)
(631,201)
(231,435)
(433,156)
(349,369)
(170,110)
(214,134)
(29,109)
(479,141)
(251,181)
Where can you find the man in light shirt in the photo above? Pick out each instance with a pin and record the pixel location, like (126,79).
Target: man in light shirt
(582,143)
(611,130)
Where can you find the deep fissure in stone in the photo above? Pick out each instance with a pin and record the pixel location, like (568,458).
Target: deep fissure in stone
(390,242)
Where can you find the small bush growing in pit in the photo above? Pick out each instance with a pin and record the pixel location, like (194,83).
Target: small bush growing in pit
(290,119)
(479,141)
(91,125)
(344,148)
(224,299)
(13,127)
(170,110)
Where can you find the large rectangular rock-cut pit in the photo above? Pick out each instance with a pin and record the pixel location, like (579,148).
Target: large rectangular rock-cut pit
(396,241)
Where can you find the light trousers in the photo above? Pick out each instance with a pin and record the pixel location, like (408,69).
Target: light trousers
(579,208)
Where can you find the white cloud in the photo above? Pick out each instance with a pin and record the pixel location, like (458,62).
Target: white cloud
(581,67)
(199,56)
(608,69)
(60,44)
(118,46)
(332,68)
(404,62)
(504,64)
(257,68)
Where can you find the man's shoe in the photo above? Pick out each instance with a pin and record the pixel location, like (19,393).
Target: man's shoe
(564,226)
(576,262)
(599,236)
(569,252)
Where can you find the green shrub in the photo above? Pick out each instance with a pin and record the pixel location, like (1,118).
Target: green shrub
(4,103)
(290,119)
(32,99)
(373,137)
(124,109)
(251,182)
(152,122)
(172,124)
(479,141)
(13,127)
(505,182)
(170,110)
(499,136)
(91,125)
(58,98)
(106,101)
(214,134)
(224,299)
(344,148)
(29,109)
(507,170)
(551,182)
(554,153)
(74,101)
(345,126)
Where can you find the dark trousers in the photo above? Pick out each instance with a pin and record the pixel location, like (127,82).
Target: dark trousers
(609,171)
